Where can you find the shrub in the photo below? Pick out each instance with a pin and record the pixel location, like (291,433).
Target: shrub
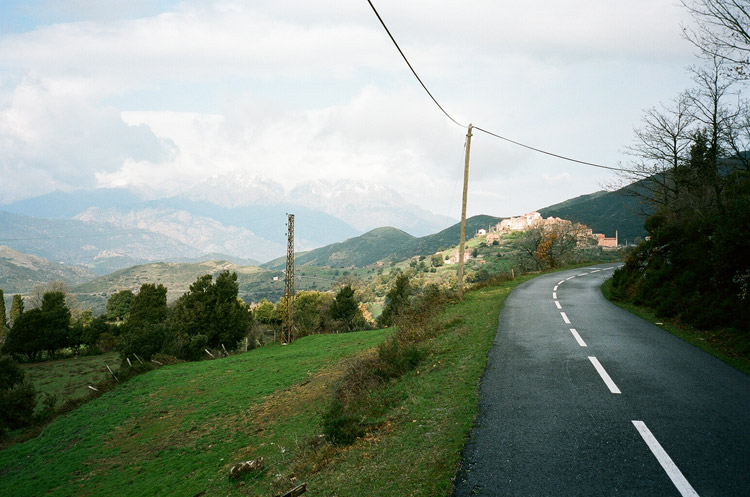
(341,426)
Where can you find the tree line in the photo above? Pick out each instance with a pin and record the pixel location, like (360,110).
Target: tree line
(691,168)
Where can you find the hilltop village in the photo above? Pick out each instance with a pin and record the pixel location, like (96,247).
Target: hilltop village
(534,220)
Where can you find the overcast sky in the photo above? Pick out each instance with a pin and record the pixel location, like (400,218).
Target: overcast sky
(157,95)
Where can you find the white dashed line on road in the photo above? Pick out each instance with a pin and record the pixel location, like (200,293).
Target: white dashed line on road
(674,473)
(565,318)
(578,337)
(557,303)
(603,373)
(566,279)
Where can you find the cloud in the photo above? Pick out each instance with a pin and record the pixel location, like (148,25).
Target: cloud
(160,98)
(53,138)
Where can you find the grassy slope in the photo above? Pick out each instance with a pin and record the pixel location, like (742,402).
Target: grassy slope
(173,431)
(68,379)
(359,251)
(176,431)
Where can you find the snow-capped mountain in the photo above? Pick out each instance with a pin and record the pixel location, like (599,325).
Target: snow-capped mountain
(367,206)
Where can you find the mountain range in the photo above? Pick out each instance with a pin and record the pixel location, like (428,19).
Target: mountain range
(78,236)
(232,217)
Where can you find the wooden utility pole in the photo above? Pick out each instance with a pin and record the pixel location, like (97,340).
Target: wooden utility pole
(463,217)
(287,330)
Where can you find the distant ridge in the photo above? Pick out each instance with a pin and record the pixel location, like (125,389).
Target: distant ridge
(604,212)
(20,273)
(383,244)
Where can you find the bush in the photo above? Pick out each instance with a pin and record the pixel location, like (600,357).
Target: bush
(396,358)
(341,426)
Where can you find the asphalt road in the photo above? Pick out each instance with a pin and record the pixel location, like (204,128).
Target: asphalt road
(583,398)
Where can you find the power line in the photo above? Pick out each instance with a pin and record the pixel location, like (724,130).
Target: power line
(410,67)
(558,156)
(592,164)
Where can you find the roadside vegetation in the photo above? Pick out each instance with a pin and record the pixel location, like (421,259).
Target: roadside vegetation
(691,169)
(178,429)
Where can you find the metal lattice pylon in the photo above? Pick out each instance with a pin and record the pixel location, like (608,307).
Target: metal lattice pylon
(287,332)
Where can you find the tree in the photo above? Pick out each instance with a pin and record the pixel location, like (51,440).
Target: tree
(149,306)
(660,148)
(437,260)
(209,314)
(37,294)
(146,332)
(17,397)
(78,328)
(90,334)
(16,308)
(3,315)
(118,305)
(265,312)
(311,310)
(551,245)
(26,337)
(345,307)
(395,300)
(723,31)
(56,318)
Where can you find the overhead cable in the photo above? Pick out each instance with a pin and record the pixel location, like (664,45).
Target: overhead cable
(410,67)
(558,156)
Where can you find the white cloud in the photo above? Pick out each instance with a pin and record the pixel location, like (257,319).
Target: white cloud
(301,90)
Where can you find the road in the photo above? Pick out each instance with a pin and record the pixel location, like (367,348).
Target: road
(582,398)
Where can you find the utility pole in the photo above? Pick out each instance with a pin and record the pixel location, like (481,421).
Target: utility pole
(287,330)
(463,217)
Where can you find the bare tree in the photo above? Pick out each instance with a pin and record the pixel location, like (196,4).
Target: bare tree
(661,146)
(723,30)
(714,106)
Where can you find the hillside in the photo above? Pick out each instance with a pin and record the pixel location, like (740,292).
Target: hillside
(177,430)
(359,251)
(604,212)
(254,282)
(20,273)
(384,244)
(100,247)
(448,237)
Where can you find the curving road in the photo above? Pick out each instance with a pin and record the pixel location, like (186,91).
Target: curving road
(583,398)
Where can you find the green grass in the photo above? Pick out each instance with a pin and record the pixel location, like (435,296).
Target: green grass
(68,379)
(731,347)
(177,430)
(417,450)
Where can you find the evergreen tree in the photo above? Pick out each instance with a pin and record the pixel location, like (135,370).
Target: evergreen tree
(118,305)
(146,331)
(396,298)
(149,306)
(16,308)
(345,307)
(25,337)
(56,316)
(3,316)
(209,314)
(17,397)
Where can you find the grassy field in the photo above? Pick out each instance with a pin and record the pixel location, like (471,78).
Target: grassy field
(178,430)
(68,379)
(731,347)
